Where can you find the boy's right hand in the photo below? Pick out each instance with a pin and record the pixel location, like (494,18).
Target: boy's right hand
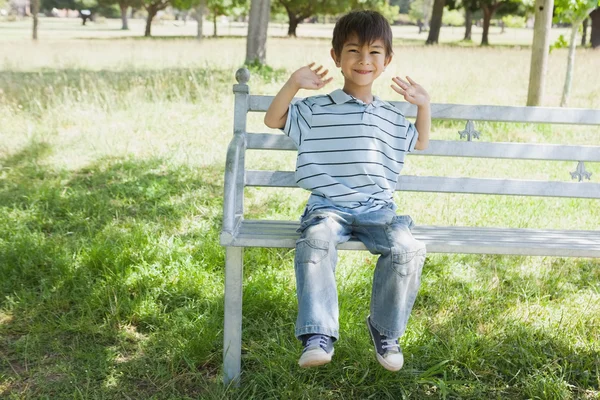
(309,78)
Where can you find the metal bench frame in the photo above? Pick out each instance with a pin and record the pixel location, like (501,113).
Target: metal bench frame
(238,233)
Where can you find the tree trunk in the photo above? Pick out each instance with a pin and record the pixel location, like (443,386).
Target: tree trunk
(539,52)
(570,63)
(35,9)
(584,35)
(214,24)
(487,18)
(124,25)
(293,24)
(256,42)
(200,19)
(152,10)
(595,34)
(468,24)
(436,22)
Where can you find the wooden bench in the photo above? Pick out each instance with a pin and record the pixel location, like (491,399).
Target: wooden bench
(238,232)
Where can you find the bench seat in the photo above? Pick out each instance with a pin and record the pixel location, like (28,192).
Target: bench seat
(440,239)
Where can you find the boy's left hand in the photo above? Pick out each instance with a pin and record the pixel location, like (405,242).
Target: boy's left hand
(411,90)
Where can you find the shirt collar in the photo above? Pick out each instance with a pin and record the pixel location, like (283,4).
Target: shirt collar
(340,97)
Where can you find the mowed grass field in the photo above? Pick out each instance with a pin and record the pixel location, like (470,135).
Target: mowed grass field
(111,275)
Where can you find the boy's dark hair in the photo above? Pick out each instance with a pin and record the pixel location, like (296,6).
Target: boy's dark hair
(367,25)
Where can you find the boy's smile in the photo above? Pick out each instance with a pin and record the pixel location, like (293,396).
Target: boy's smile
(361,65)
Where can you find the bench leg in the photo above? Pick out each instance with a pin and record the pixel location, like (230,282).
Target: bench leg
(232,333)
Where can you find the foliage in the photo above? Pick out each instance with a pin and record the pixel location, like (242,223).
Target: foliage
(514,21)
(453,18)
(572,11)
(403,5)
(216,7)
(124,3)
(560,43)
(47,5)
(418,8)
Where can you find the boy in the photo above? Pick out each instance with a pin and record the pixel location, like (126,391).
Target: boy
(351,148)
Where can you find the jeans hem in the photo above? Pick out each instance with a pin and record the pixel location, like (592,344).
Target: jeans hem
(386,332)
(312,329)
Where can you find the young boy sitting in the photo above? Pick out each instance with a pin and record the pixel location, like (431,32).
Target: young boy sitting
(351,148)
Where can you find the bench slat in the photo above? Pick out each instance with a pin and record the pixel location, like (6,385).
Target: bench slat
(546,115)
(560,243)
(451,148)
(410,183)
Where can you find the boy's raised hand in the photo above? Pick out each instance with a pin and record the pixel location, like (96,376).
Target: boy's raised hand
(411,90)
(308,77)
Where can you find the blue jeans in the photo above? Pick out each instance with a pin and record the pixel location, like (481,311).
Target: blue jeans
(397,273)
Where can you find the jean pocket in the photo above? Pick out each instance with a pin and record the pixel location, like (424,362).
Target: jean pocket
(407,262)
(311,251)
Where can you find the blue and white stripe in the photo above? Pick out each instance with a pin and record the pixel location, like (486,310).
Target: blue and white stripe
(349,152)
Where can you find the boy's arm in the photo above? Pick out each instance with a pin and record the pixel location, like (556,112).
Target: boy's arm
(304,78)
(417,95)
(423,125)
(278,110)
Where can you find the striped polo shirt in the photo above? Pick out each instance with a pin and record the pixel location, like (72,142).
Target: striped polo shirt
(350,153)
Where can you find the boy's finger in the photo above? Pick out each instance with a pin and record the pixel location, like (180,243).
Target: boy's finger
(318,69)
(400,82)
(398,90)
(311,64)
(411,81)
(322,74)
(326,81)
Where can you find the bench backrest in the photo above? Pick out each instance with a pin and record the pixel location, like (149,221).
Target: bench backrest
(237,177)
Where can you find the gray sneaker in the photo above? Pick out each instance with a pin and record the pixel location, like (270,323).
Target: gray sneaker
(318,350)
(387,350)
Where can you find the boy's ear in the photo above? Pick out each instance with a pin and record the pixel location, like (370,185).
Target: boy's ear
(388,60)
(332,52)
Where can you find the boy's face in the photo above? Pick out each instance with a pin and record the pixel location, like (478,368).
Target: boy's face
(361,65)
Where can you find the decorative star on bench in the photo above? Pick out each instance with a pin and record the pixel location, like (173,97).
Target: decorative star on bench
(581,173)
(469,131)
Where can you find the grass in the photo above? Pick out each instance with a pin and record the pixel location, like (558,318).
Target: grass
(111,287)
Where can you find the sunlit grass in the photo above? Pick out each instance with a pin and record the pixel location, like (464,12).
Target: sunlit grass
(111,275)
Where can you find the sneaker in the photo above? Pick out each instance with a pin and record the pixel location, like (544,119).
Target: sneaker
(387,350)
(318,350)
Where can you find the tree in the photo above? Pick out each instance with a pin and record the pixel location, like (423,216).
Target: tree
(199,14)
(256,42)
(470,7)
(35,9)
(573,11)
(123,6)
(436,22)
(539,51)
(153,7)
(595,34)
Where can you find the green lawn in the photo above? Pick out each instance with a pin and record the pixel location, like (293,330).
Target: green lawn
(111,276)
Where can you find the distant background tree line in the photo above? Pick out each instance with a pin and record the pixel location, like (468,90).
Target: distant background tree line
(428,15)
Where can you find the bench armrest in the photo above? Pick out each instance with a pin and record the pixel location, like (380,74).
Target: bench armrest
(233,186)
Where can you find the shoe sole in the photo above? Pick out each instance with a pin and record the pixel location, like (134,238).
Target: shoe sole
(314,359)
(381,360)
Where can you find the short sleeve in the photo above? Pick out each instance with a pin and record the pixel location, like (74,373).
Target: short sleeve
(412,135)
(298,121)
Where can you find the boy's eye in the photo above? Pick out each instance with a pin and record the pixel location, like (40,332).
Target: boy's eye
(353,51)
(375,52)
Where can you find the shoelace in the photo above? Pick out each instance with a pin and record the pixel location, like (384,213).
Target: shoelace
(321,340)
(391,344)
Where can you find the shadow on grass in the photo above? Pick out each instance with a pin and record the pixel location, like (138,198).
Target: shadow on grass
(112,282)
(111,278)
